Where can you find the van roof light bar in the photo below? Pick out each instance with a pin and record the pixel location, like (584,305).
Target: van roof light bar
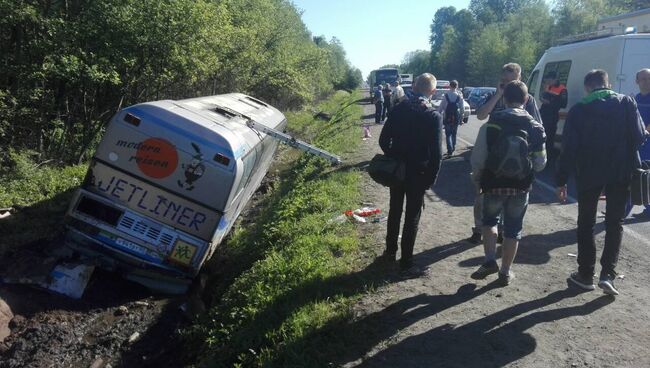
(601,33)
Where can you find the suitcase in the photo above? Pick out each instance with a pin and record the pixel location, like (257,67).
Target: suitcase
(640,188)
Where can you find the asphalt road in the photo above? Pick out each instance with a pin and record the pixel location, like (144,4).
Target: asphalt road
(638,226)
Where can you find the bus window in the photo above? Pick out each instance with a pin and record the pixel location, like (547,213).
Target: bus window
(388,75)
(250,161)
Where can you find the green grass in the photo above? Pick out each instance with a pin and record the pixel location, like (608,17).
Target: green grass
(303,270)
(41,195)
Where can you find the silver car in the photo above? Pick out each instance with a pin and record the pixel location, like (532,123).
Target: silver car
(436,100)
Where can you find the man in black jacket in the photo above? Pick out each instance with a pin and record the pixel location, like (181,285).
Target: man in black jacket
(601,137)
(412,134)
(553,99)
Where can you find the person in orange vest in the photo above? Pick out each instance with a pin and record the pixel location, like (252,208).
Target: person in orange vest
(553,99)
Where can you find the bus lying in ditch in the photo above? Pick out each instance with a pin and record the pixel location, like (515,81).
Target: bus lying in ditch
(167,182)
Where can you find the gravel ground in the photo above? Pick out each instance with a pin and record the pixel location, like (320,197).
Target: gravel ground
(446,319)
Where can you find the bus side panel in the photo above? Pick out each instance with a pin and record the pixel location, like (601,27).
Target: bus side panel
(248,180)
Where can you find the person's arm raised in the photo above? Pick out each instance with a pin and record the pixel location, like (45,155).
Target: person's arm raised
(484,110)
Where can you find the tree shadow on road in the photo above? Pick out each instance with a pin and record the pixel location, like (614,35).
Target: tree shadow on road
(486,342)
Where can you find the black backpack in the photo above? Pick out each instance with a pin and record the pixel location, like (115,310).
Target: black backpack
(452,111)
(509,155)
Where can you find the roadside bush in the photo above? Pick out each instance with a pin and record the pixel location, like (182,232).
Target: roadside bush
(39,194)
(284,295)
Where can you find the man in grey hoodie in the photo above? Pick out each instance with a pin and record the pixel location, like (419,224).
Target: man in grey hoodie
(509,150)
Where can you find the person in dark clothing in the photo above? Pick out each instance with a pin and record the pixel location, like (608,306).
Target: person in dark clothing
(379,103)
(602,136)
(412,134)
(643,104)
(553,99)
(387,93)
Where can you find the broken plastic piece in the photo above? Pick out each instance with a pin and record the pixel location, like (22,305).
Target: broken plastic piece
(358,218)
(70,279)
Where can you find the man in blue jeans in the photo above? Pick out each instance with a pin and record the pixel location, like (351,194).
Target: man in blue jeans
(452,106)
(505,160)
(489,104)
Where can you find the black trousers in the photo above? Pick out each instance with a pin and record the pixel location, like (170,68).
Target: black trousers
(379,106)
(386,109)
(617,196)
(550,120)
(414,199)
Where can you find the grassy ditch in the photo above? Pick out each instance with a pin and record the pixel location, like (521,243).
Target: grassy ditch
(39,194)
(279,309)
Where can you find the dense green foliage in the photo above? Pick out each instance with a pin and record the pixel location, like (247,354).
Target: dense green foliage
(472,44)
(68,66)
(262,319)
(40,194)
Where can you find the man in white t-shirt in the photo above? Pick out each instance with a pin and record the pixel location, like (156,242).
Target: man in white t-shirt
(398,94)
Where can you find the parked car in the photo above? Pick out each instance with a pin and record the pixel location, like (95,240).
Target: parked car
(436,100)
(442,84)
(477,95)
(406,78)
(467,91)
(408,89)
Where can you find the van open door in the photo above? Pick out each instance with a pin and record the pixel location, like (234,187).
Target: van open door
(636,55)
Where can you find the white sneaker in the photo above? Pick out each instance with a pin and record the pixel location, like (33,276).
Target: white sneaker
(607,284)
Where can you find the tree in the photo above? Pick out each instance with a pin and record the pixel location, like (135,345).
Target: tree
(492,11)
(444,16)
(69,66)
(488,52)
(416,62)
(580,16)
(451,64)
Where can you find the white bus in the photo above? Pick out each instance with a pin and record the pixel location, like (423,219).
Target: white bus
(384,75)
(166,184)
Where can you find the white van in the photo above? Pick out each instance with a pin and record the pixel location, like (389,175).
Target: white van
(621,56)
(166,184)
(406,78)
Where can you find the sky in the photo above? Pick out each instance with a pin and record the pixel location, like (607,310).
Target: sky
(374,33)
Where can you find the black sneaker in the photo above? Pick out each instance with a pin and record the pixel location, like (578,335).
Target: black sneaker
(475,239)
(584,282)
(500,238)
(607,284)
(505,279)
(412,272)
(387,257)
(485,270)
